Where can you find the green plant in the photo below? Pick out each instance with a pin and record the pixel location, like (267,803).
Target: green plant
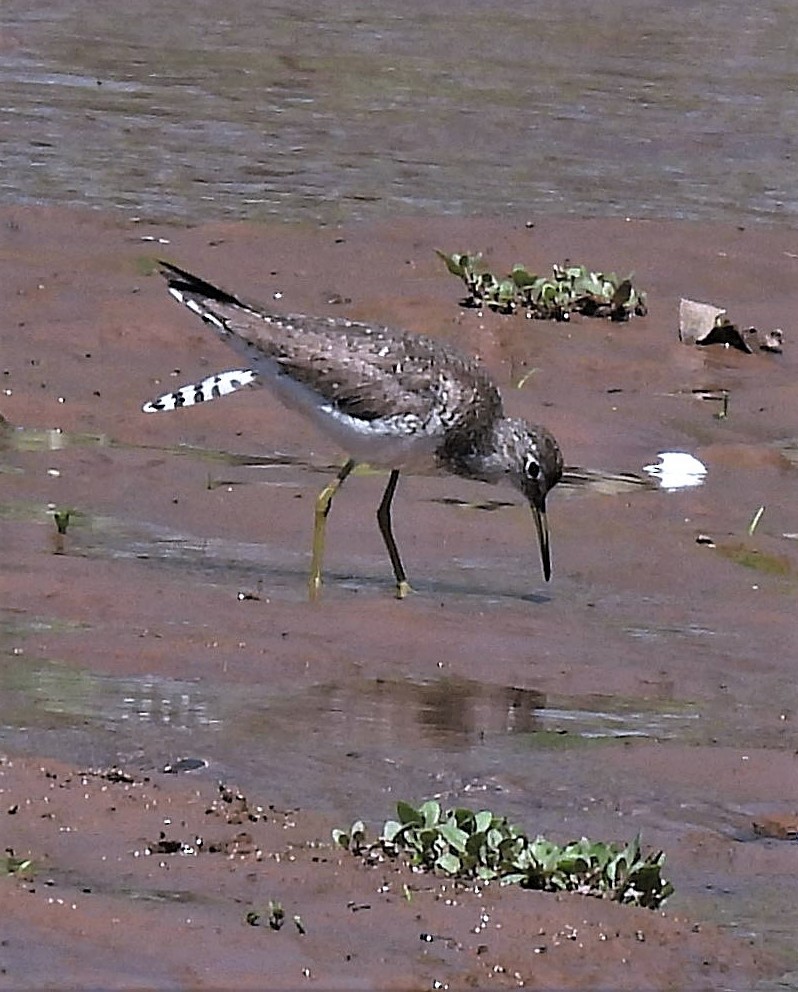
(12,865)
(569,289)
(62,518)
(481,846)
(274,916)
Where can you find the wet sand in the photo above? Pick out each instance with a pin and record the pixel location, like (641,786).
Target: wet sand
(169,531)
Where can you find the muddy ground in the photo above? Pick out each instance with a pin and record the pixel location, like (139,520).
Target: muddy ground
(649,686)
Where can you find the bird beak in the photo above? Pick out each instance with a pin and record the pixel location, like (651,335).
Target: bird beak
(542,527)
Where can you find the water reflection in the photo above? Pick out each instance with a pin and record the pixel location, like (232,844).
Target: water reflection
(334,111)
(442,714)
(47,439)
(36,694)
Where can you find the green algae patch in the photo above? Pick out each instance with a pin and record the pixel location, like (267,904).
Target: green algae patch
(762,561)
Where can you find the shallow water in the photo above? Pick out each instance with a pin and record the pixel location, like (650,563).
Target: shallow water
(649,686)
(333,111)
(351,746)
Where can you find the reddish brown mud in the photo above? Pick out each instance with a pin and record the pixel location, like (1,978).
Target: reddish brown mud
(150,882)
(650,686)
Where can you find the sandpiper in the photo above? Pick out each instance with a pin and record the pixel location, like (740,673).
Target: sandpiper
(388,398)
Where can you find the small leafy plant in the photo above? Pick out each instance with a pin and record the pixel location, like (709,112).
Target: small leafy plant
(473,846)
(10,864)
(62,518)
(569,289)
(274,917)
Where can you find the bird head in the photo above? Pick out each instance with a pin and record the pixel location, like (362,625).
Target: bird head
(536,469)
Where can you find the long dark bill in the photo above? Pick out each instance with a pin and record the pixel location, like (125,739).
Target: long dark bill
(542,527)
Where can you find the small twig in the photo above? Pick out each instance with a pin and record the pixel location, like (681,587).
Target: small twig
(523,380)
(723,413)
(755,521)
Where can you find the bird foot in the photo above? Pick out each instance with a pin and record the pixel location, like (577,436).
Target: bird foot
(403,588)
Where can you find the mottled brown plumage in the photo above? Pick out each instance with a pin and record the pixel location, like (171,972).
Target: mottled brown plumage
(387,397)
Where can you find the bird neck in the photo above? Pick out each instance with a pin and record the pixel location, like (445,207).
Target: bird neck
(483,455)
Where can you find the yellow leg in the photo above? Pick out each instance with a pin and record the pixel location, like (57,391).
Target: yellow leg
(384,521)
(323,504)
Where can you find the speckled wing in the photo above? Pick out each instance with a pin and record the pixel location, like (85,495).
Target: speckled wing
(372,373)
(368,372)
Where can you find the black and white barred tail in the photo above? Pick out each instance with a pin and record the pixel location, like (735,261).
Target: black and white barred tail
(211,388)
(197,294)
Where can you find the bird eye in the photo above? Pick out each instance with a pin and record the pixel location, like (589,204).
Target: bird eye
(532,467)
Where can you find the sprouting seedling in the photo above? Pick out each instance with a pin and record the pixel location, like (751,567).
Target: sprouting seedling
(724,410)
(62,518)
(275,917)
(12,865)
(755,521)
(276,914)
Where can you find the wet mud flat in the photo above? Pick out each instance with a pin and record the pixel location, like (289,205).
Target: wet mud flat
(179,887)
(649,687)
